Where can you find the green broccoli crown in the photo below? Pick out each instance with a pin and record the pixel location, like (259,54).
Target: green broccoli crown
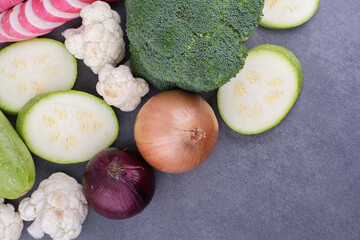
(195,45)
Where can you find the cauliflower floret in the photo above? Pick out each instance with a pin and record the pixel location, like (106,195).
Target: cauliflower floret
(58,206)
(99,40)
(120,89)
(11,224)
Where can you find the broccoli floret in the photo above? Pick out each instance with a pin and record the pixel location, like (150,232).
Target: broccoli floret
(195,45)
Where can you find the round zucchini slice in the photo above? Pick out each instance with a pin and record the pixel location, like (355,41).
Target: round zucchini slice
(67,126)
(261,94)
(280,14)
(32,67)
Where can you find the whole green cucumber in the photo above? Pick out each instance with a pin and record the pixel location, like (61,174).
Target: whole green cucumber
(17,169)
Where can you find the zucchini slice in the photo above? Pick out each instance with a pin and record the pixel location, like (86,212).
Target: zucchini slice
(282,14)
(67,126)
(32,67)
(263,92)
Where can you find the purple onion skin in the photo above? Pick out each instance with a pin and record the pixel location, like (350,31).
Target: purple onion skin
(118,184)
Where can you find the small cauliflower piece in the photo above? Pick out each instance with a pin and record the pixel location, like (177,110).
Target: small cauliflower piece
(11,224)
(99,40)
(120,89)
(58,206)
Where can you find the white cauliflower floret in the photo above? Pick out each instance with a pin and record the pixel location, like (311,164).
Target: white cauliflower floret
(58,206)
(11,224)
(120,89)
(99,40)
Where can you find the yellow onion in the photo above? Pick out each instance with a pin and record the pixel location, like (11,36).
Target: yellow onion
(176,131)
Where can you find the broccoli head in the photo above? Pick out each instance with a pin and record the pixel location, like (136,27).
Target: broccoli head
(195,45)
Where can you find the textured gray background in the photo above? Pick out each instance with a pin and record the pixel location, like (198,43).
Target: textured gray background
(299,180)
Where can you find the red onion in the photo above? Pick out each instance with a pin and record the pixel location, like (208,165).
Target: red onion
(118,184)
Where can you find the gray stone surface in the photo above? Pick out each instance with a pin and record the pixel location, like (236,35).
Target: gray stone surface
(298,181)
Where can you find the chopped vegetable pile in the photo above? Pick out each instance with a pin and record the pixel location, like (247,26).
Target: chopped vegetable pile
(194,45)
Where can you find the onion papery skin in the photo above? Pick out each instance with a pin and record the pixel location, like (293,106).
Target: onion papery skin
(118,184)
(176,131)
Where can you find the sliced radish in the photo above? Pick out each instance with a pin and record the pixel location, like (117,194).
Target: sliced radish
(46,11)
(32,67)
(37,17)
(6,26)
(6,4)
(67,126)
(32,23)
(11,25)
(263,92)
(287,14)
(70,6)
(4,37)
(14,20)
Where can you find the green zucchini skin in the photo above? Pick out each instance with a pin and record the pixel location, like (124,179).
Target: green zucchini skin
(17,169)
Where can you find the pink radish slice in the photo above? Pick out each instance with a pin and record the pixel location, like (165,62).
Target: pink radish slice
(11,25)
(46,11)
(14,20)
(4,37)
(6,4)
(8,28)
(69,6)
(33,23)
